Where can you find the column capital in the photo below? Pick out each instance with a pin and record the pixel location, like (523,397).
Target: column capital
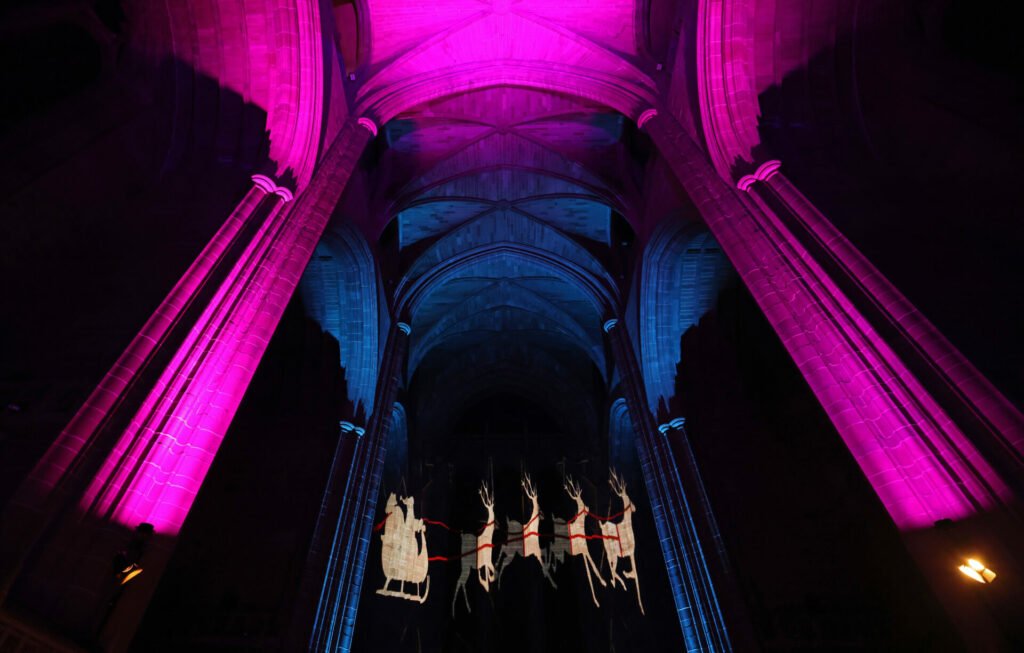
(645,116)
(610,324)
(368,124)
(349,427)
(676,423)
(764,172)
(404,328)
(271,188)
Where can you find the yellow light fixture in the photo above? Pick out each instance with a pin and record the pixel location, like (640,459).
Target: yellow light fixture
(977,571)
(128,573)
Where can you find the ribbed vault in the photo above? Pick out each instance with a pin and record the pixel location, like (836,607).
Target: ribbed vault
(503,182)
(420,53)
(501,205)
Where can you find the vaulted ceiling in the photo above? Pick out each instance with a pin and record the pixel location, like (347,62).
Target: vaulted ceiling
(505,178)
(416,52)
(501,203)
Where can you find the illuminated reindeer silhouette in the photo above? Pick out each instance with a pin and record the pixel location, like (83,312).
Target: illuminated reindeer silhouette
(482,545)
(574,537)
(528,534)
(618,538)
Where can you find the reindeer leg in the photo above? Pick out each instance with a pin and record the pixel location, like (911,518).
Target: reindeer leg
(544,569)
(460,586)
(621,578)
(597,572)
(613,575)
(500,566)
(622,581)
(636,579)
(489,576)
(591,582)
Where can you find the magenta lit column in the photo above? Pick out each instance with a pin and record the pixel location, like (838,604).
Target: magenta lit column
(53,479)
(155,468)
(919,461)
(975,404)
(160,461)
(939,445)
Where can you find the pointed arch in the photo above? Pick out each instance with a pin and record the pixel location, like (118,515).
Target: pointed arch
(340,290)
(683,271)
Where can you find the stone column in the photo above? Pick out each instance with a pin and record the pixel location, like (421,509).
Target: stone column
(927,462)
(973,403)
(321,546)
(693,483)
(53,478)
(342,579)
(919,461)
(156,465)
(697,606)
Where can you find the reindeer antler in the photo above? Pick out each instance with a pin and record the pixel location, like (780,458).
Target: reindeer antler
(528,486)
(616,482)
(572,488)
(486,495)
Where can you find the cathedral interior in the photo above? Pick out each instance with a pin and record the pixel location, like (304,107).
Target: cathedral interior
(511,325)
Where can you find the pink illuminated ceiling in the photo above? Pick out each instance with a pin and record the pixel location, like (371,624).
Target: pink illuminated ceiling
(418,51)
(400,25)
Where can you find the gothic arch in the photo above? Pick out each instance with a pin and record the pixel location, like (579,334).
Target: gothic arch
(396,461)
(622,445)
(593,285)
(384,99)
(340,291)
(683,270)
(223,41)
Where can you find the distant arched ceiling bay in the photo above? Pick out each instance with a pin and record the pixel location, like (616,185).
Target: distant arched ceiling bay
(502,201)
(542,155)
(507,274)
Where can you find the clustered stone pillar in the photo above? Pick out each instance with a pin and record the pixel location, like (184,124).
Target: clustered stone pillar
(342,579)
(919,461)
(693,589)
(693,485)
(105,477)
(322,542)
(52,480)
(936,441)
(978,408)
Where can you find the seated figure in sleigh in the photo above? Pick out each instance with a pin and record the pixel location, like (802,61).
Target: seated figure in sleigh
(404,552)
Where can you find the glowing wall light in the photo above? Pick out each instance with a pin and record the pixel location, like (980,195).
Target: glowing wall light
(127,573)
(977,571)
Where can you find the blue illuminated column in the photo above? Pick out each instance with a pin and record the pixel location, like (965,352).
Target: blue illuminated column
(694,486)
(342,582)
(697,605)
